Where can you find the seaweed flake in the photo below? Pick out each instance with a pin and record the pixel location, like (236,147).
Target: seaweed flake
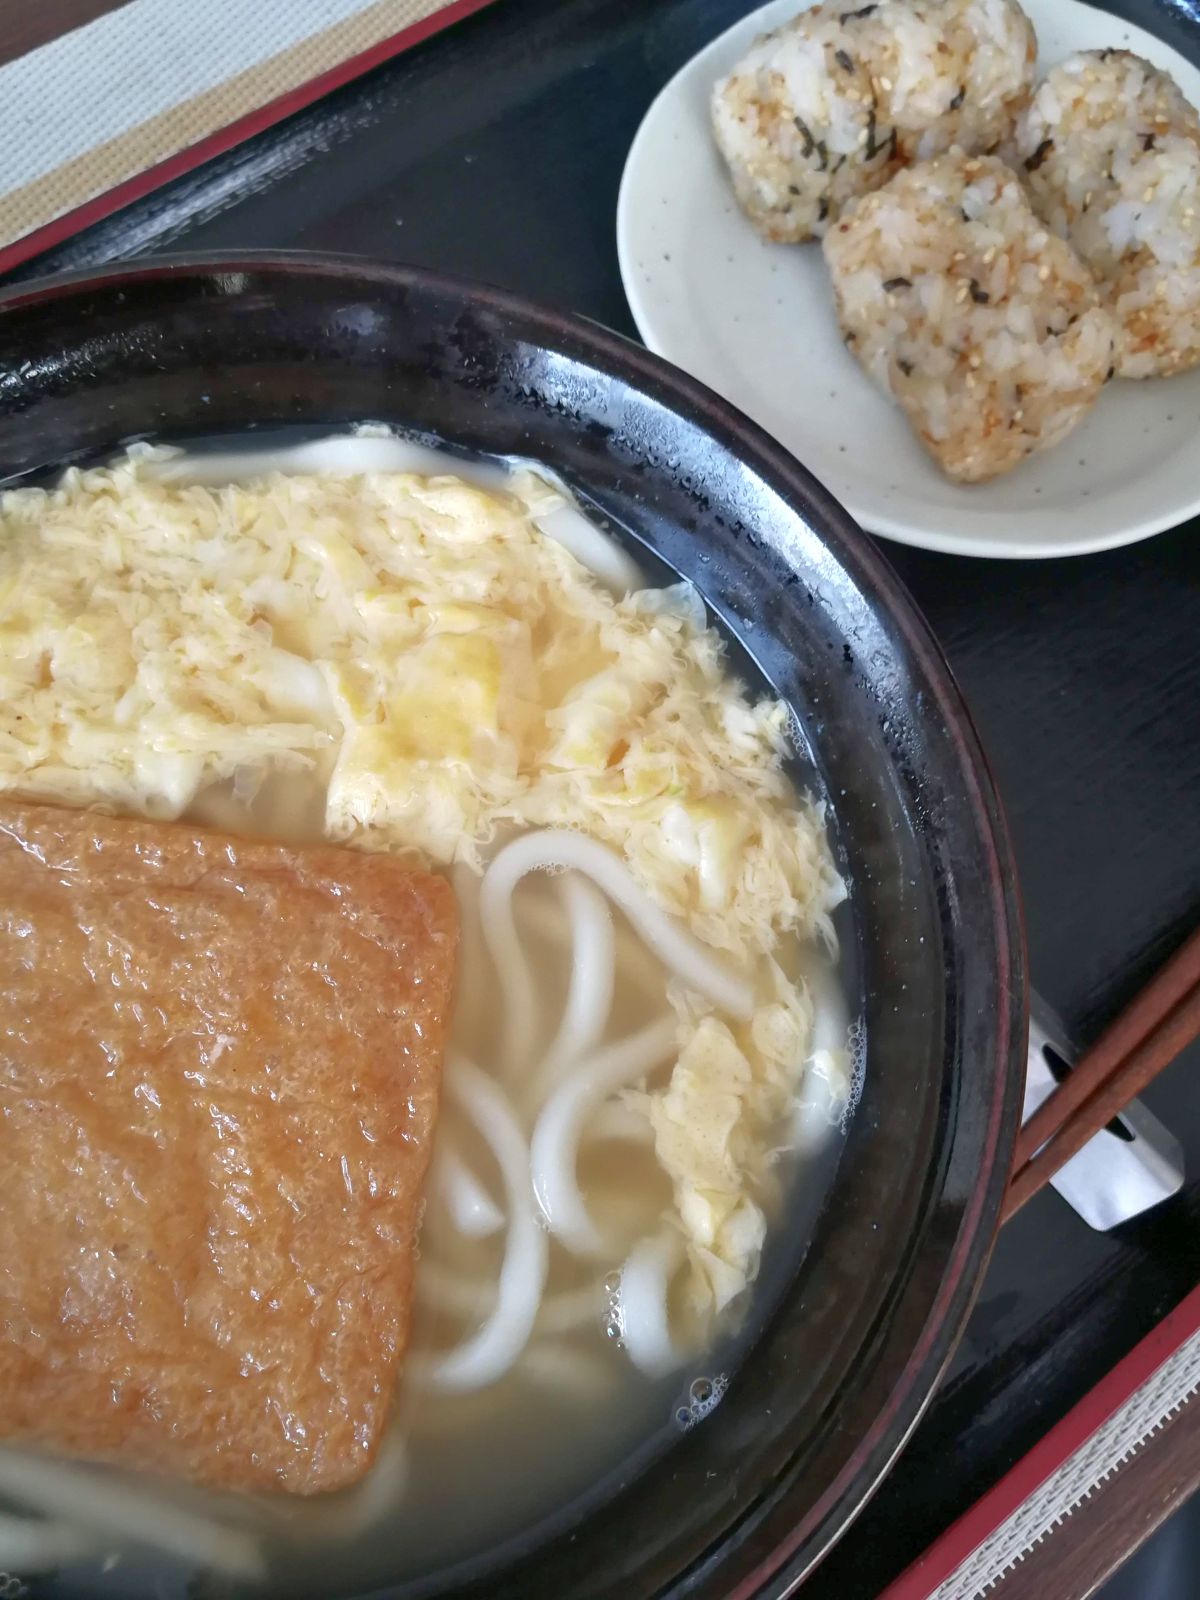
(1108,376)
(793,188)
(958,98)
(849,338)
(810,144)
(823,152)
(1147,141)
(980,296)
(843,60)
(890,285)
(853,16)
(1104,54)
(1033,162)
(962,211)
(906,367)
(839,163)
(874,146)
(823,208)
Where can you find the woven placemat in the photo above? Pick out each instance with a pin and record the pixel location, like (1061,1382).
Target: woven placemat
(102,114)
(1089,1492)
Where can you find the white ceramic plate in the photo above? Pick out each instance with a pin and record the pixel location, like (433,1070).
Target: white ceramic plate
(755,322)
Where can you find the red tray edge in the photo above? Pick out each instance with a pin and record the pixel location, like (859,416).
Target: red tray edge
(234,133)
(948,1552)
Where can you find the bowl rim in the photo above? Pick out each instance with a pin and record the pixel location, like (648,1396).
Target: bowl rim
(799,1544)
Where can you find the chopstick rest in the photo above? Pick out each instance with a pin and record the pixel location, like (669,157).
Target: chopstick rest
(1160,1022)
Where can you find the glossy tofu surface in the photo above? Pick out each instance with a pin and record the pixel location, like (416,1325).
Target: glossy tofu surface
(219,1074)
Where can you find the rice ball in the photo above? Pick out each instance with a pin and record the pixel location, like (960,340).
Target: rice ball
(829,106)
(985,327)
(1110,152)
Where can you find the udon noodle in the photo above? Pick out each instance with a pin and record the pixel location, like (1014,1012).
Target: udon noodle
(348,642)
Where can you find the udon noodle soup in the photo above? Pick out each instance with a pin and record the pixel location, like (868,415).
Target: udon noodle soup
(366,644)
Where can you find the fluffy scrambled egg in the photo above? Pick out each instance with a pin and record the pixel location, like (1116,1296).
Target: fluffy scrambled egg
(449,673)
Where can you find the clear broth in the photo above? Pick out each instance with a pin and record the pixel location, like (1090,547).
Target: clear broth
(503,1468)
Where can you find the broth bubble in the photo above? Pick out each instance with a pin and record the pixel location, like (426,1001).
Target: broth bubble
(703,1397)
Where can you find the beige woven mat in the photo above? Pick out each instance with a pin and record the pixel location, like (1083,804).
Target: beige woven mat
(96,107)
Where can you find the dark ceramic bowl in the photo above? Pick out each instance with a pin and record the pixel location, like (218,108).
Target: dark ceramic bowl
(745,1503)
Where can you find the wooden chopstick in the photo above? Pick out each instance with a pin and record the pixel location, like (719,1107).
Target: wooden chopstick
(1128,1078)
(1150,1032)
(1148,1008)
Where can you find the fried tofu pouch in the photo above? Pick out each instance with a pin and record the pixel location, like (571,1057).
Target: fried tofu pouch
(220,1063)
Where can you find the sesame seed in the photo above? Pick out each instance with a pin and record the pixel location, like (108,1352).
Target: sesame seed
(970,380)
(862,138)
(962,293)
(959,255)
(1018,414)
(1043,274)
(989,255)
(885,83)
(975,359)
(1148,192)
(1087,199)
